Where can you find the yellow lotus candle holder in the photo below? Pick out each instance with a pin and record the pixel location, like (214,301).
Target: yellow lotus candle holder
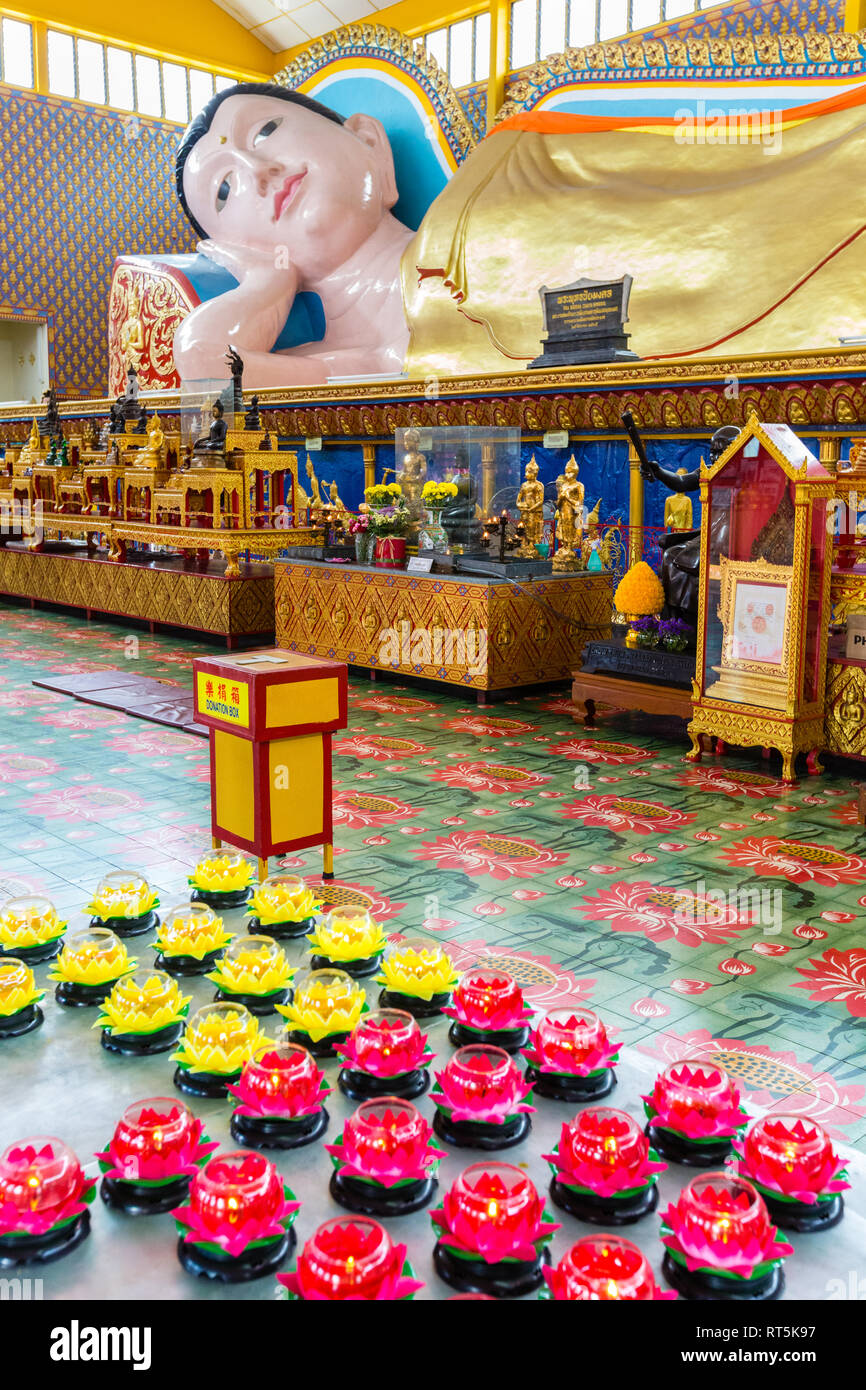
(89,964)
(254,972)
(218,1039)
(19,998)
(143,1014)
(222,880)
(125,903)
(189,939)
(326,1007)
(349,938)
(283,906)
(418,976)
(30,929)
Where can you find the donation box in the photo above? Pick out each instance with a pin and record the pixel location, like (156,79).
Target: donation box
(271,714)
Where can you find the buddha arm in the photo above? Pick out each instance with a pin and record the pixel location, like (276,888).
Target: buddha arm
(687,482)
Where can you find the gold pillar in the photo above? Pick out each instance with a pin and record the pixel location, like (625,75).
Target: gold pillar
(500,28)
(855,15)
(369,453)
(829,449)
(635,506)
(488,476)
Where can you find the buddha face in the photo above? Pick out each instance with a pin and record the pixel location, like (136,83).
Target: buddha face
(273,176)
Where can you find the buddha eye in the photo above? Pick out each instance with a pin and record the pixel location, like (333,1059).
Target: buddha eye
(222,196)
(264,131)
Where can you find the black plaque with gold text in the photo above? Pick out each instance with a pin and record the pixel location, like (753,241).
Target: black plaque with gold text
(584,321)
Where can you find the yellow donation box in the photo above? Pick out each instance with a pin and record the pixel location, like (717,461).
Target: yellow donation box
(271,714)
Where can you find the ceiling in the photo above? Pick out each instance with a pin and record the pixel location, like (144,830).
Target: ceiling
(281,24)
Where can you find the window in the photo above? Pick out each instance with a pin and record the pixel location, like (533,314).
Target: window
(542,27)
(16,53)
(462,49)
(104,74)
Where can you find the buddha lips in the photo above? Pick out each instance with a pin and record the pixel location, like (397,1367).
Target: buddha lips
(492,1232)
(384,1163)
(694,1113)
(720,1243)
(44,1197)
(480,1100)
(237,1224)
(157,1146)
(387,1054)
(488,1006)
(570,1057)
(792,1163)
(604,1169)
(281,1093)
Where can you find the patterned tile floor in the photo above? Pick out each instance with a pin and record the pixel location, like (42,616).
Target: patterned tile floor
(703,909)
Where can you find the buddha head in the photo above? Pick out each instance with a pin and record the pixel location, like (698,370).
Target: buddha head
(270,170)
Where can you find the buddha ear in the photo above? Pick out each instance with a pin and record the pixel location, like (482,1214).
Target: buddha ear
(372,133)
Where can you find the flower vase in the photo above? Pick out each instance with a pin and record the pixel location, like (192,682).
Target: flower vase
(432,534)
(363,546)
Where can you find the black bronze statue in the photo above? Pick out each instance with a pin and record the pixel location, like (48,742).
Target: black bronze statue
(252,419)
(681,550)
(215,441)
(50,423)
(130,400)
(236,367)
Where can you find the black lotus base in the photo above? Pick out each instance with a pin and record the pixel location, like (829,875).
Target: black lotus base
(556,1086)
(358,969)
(418,1008)
(235,1269)
(258,1004)
(271,1132)
(24,1021)
(511,1040)
(142,1044)
(357,1085)
(187,965)
(676,1148)
(373,1199)
(23,1250)
(82,996)
(221,902)
(128,926)
(142,1199)
(325,1047)
(281,931)
(208,1084)
(703,1286)
(475,1134)
(800,1216)
(604,1211)
(508,1279)
(33,955)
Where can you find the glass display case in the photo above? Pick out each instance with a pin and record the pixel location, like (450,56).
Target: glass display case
(764,590)
(483,464)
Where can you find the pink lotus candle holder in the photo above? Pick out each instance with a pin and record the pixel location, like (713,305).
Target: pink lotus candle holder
(281,1093)
(157,1147)
(720,1243)
(351,1259)
(384,1163)
(44,1200)
(488,1006)
(793,1165)
(386,1055)
(603,1267)
(604,1170)
(480,1099)
(238,1221)
(694,1113)
(493,1232)
(571,1057)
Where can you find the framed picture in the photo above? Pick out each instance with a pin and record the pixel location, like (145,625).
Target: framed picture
(755,614)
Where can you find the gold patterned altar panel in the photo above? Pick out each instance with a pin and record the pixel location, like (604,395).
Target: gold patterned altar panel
(162,306)
(847,593)
(480,636)
(845,710)
(201,602)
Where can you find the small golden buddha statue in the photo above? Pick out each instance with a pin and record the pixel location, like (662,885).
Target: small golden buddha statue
(678,509)
(132,332)
(530,504)
(31,454)
(151,456)
(413,474)
(316,499)
(336,500)
(569,517)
